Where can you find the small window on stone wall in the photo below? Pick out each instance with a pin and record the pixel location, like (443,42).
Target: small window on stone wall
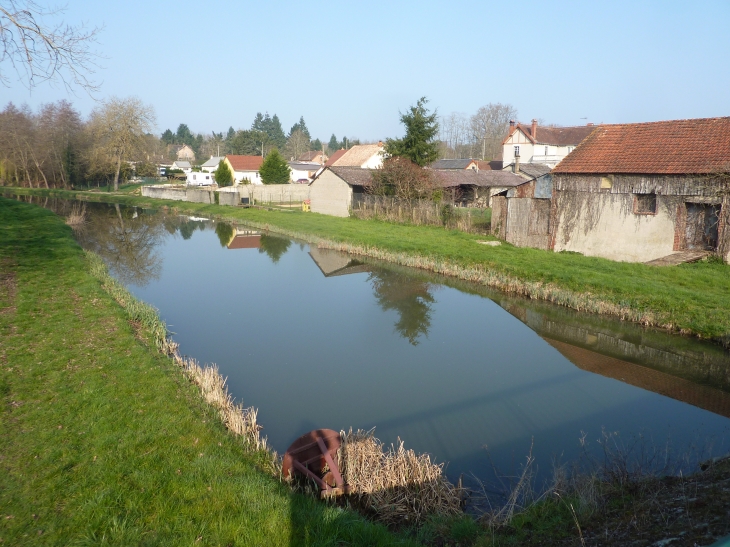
(645,204)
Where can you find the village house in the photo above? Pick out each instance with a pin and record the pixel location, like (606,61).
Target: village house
(303,171)
(183,166)
(316,156)
(244,168)
(547,145)
(642,191)
(212,164)
(331,193)
(184,152)
(364,156)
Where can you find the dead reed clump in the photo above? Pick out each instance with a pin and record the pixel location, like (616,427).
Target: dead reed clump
(77,217)
(394,484)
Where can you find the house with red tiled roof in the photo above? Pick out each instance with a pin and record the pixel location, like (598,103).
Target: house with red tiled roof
(643,192)
(244,168)
(547,145)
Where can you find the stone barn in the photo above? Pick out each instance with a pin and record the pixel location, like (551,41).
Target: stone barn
(645,191)
(331,193)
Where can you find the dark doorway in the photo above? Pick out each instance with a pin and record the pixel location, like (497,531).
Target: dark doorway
(702,224)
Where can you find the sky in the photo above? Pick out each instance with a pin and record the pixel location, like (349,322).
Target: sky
(350,68)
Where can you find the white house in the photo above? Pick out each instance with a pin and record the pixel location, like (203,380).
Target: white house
(303,171)
(547,145)
(245,167)
(364,156)
(212,164)
(184,166)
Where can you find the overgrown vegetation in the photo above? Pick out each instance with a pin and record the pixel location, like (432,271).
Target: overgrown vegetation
(104,441)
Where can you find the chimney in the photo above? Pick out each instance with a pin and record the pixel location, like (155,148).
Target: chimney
(534,128)
(511,123)
(516,166)
(380,143)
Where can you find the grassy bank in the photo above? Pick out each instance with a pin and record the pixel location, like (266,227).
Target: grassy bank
(104,441)
(691,298)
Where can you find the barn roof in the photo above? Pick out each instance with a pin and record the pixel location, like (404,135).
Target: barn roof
(669,147)
(466,177)
(245,163)
(354,176)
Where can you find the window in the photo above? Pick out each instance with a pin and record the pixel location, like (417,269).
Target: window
(645,204)
(546,150)
(517,151)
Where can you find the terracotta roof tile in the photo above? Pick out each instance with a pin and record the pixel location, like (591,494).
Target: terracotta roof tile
(667,147)
(335,156)
(245,163)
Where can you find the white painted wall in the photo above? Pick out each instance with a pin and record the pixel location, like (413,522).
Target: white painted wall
(252,176)
(330,195)
(619,234)
(375,162)
(530,153)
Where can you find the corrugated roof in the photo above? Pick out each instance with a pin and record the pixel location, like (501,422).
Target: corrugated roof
(304,165)
(245,163)
(455,177)
(672,147)
(453,164)
(529,171)
(358,155)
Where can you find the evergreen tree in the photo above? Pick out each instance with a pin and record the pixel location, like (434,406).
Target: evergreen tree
(333,145)
(274,170)
(248,142)
(168,137)
(276,133)
(184,135)
(419,143)
(300,126)
(316,144)
(231,133)
(223,175)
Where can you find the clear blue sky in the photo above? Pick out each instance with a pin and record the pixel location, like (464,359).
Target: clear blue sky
(349,68)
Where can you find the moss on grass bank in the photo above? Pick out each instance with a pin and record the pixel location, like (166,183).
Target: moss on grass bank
(691,298)
(103,441)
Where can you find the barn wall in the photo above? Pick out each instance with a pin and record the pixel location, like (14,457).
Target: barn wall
(330,195)
(528,222)
(499,216)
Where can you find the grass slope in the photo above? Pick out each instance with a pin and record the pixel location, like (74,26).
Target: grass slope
(691,298)
(103,441)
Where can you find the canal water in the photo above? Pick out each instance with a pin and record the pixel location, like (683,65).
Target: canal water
(478,379)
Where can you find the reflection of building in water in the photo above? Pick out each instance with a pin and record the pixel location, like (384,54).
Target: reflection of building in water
(332,263)
(687,370)
(245,239)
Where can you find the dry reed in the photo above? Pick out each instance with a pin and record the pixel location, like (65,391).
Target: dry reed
(77,217)
(394,484)
(239,420)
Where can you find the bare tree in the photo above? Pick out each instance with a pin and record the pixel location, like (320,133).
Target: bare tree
(119,127)
(38,47)
(297,144)
(454,132)
(489,127)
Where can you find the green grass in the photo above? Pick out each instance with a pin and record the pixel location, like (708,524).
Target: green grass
(104,442)
(691,298)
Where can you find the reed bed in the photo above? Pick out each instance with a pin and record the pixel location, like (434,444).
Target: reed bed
(394,484)
(77,217)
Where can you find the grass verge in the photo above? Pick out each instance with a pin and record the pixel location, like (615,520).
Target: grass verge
(104,441)
(690,299)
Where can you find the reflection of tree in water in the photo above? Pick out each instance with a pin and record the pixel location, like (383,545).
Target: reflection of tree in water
(188,227)
(275,247)
(126,240)
(409,297)
(224,231)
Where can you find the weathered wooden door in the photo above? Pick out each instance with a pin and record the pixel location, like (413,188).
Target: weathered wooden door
(702,224)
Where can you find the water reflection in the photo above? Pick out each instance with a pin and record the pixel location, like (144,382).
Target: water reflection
(274,247)
(127,242)
(394,290)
